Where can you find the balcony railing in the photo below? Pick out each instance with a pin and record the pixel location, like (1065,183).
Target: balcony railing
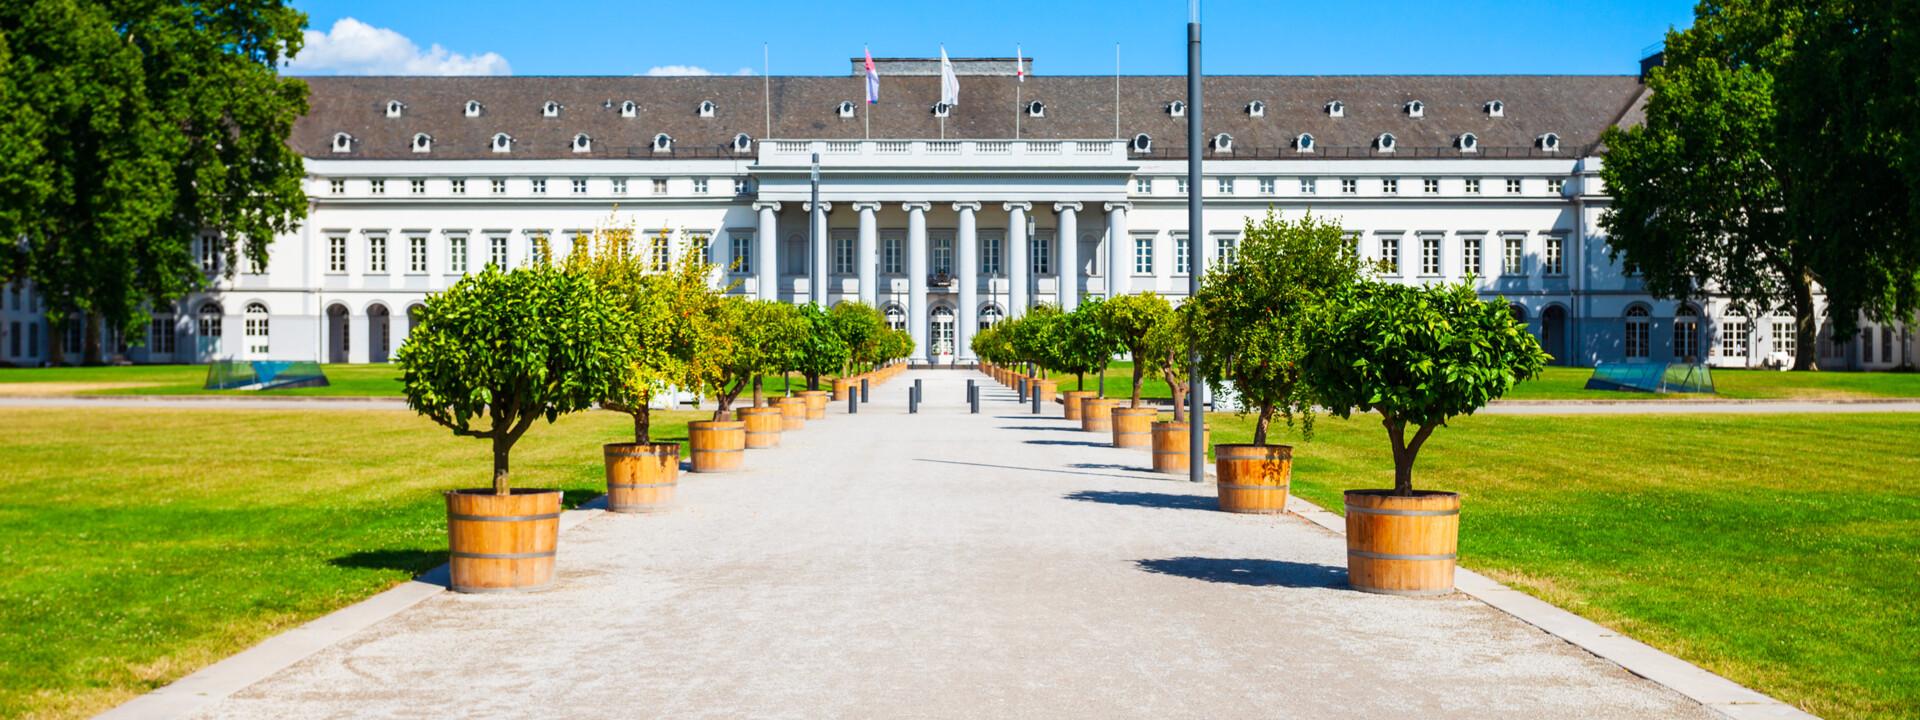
(1112,149)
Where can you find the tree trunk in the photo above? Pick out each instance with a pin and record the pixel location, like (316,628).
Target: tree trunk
(1806,355)
(1404,453)
(1260,426)
(813,381)
(502,485)
(758,401)
(1139,373)
(91,341)
(1080,381)
(57,342)
(1179,399)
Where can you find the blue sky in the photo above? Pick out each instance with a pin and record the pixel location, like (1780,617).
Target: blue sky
(1248,37)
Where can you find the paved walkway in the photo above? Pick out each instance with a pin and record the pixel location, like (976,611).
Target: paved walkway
(886,565)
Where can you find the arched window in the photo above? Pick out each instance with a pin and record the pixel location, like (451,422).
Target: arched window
(1336,109)
(1638,332)
(257,329)
(1518,312)
(582,143)
(629,109)
(940,339)
(1223,143)
(550,109)
(1495,108)
(1036,109)
(1467,142)
(422,142)
(1733,332)
(896,318)
(941,109)
(1256,109)
(662,143)
(1385,142)
(707,108)
(342,142)
(1416,109)
(1550,142)
(473,108)
(1303,143)
(1142,143)
(846,108)
(395,108)
(1177,109)
(502,142)
(742,142)
(210,320)
(1686,333)
(989,315)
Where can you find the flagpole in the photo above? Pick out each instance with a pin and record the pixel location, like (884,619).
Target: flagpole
(1019,81)
(766,76)
(1116,90)
(1196,245)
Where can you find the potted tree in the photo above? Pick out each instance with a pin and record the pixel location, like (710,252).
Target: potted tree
(1034,340)
(759,334)
(1085,347)
(1418,356)
(820,352)
(488,357)
(1247,321)
(861,327)
(1129,320)
(1166,346)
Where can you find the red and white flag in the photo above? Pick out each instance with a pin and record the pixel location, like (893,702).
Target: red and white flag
(873,80)
(1019,64)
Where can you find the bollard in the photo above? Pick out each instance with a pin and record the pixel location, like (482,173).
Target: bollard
(863,390)
(913,400)
(1021,385)
(853,403)
(975,401)
(969,390)
(916,389)
(1036,401)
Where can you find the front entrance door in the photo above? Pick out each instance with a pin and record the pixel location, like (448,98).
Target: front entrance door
(1553,334)
(940,342)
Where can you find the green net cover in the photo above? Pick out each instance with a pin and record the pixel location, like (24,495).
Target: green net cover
(1652,377)
(264,375)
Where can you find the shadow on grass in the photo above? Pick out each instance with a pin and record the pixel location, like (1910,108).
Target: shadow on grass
(1146,499)
(1081,443)
(1249,571)
(573,499)
(411,562)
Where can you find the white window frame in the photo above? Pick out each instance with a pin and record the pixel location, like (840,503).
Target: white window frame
(1390,186)
(1554,259)
(1390,253)
(1430,186)
(457,253)
(336,254)
(1267,186)
(1513,259)
(699,186)
(1143,254)
(377,254)
(497,251)
(659,186)
(1470,257)
(1513,186)
(499,186)
(416,254)
(1430,255)
(741,260)
(1349,186)
(1182,254)
(459,186)
(991,255)
(579,186)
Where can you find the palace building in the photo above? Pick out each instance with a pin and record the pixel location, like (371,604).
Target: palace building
(1055,190)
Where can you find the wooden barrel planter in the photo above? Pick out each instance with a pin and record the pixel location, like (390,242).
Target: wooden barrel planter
(1045,388)
(1170,446)
(1402,545)
(502,543)
(763,425)
(1071,401)
(1253,478)
(793,412)
(816,403)
(1096,414)
(641,477)
(718,445)
(840,388)
(1133,427)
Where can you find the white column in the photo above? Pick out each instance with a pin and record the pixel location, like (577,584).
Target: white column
(766,245)
(817,270)
(969,279)
(1069,241)
(869,238)
(917,276)
(1017,263)
(1119,250)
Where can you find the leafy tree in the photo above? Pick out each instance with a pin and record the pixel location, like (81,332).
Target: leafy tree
(1084,345)
(822,352)
(988,345)
(671,335)
(512,347)
(1166,354)
(862,328)
(1417,355)
(1037,338)
(898,344)
(761,335)
(1249,317)
(1129,320)
(135,129)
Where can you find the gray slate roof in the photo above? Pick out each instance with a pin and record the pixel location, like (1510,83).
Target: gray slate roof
(1577,108)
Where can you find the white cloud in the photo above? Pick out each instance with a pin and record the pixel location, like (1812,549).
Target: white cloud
(356,48)
(688,71)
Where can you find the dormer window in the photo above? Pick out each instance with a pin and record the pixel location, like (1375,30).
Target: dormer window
(1549,142)
(342,142)
(662,143)
(941,109)
(1304,143)
(846,108)
(502,142)
(1416,109)
(742,142)
(1467,143)
(629,109)
(395,108)
(1222,143)
(1336,109)
(1142,143)
(551,109)
(582,143)
(1384,143)
(1256,109)
(1036,109)
(422,142)
(1177,109)
(1495,108)
(706,108)
(473,108)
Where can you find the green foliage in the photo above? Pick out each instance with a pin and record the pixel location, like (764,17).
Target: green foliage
(1038,337)
(513,347)
(1129,320)
(991,345)
(1167,347)
(1249,318)
(762,337)
(132,131)
(896,345)
(864,331)
(1417,355)
(822,352)
(1082,343)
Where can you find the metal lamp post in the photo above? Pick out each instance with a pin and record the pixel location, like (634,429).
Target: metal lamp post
(1196,257)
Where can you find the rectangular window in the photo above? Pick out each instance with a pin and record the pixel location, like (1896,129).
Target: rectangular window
(1349,186)
(257,266)
(1143,186)
(942,255)
(459,186)
(1390,253)
(579,186)
(499,186)
(497,251)
(705,244)
(619,186)
(662,251)
(1182,255)
(14,333)
(1430,255)
(659,186)
(1226,186)
(209,255)
(1225,249)
(1042,253)
(1430,186)
(1390,186)
(336,254)
(1353,242)
(1309,186)
(1555,185)
(1639,344)
(893,259)
(1470,255)
(1784,338)
(1473,186)
(33,339)
(843,246)
(1143,256)
(419,186)
(457,254)
(539,186)
(1513,186)
(378,187)
(1180,185)
(699,186)
(1886,344)
(740,186)
(1733,337)
(377,253)
(1555,256)
(1266,186)
(1514,262)
(990,254)
(338,187)
(160,335)
(1686,338)
(416,254)
(742,252)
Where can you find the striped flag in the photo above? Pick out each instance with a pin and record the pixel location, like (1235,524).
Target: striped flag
(873,80)
(949,84)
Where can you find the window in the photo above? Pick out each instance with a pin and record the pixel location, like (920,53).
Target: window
(1513,186)
(209,323)
(1555,256)
(1473,186)
(1143,256)
(896,318)
(336,254)
(1886,344)
(160,338)
(579,186)
(893,259)
(989,315)
(1226,186)
(1638,332)
(416,254)
(1554,185)
(1686,333)
(1470,255)
(619,186)
(1180,185)
(457,254)
(1784,339)
(459,186)
(209,254)
(15,288)
(1225,250)
(33,339)
(659,186)
(1733,334)
(539,186)
(742,252)
(662,253)
(377,253)
(740,186)
(1042,253)
(699,186)
(418,186)
(1308,186)
(1349,186)
(1143,186)
(1353,242)
(378,187)
(1266,186)
(256,329)
(942,255)
(1430,255)
(14,334)
(990,254)
(499,186)
(338,187)
(1182,255)
(1512,263)
(705,244)
(843,246)
(1390,186)
(497,251)
(1390,253)
(1430,186)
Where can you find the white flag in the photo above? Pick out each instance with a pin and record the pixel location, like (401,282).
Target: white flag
(949,84)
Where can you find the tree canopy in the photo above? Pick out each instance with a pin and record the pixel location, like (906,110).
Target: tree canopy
(762,335)
(822,352)
(1082,344)
(1129,320)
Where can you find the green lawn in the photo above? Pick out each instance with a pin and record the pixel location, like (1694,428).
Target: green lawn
(1782,551)
(382,380)
(139,545)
